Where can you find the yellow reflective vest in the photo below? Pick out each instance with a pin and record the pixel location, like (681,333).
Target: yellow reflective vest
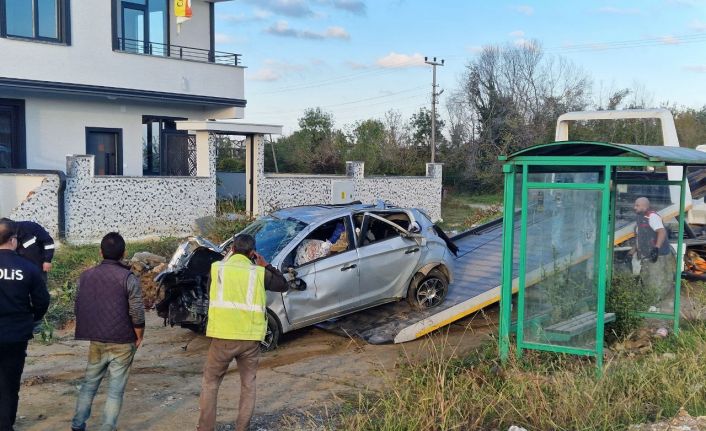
(236,308)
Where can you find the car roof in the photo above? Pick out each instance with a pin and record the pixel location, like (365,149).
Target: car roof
(312,213)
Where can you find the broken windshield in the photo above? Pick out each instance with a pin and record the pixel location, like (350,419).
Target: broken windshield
(272,234)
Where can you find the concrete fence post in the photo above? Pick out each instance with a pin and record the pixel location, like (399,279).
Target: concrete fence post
(355,170)
(80,166)
(434,170)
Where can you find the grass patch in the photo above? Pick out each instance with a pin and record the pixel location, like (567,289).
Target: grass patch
(219,229)
(540,391)
(459,213)
(229,206)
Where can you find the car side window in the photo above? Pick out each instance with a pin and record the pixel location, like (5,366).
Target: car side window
(327,240)
(374,230)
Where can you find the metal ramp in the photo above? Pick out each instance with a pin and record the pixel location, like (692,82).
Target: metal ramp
(476,285)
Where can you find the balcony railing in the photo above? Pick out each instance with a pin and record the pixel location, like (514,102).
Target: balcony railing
(176,51)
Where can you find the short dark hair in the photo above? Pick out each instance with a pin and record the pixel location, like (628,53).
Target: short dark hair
(8,229)
(243,244)
(113,246)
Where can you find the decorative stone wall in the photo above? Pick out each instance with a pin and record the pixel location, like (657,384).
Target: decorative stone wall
(42,206)
(279,191)
(137,207)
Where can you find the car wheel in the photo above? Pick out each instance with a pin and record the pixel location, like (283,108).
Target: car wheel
(271,335)
(428,291)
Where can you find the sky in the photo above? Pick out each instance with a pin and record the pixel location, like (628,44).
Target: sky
(358,59)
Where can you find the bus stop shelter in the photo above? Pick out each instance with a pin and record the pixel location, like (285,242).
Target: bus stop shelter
(568,209)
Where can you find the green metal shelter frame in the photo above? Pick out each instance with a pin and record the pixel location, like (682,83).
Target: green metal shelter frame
(601,160)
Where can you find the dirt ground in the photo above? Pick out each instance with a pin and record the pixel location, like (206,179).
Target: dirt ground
(301,385)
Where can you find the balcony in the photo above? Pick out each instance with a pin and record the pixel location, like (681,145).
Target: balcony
(140,47)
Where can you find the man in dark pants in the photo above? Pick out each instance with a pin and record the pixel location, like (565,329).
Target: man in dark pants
(23,300)
(35,243)
(111,315)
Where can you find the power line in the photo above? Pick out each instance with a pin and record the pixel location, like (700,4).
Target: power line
(634,43)
(354,108)
(379,70)
(352,102)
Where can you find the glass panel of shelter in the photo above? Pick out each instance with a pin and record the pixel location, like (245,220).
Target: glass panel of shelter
(560,271)
(636,261)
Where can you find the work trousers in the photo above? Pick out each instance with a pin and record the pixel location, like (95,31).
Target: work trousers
(114,359)
(658,277)
(220,354)
(12,362)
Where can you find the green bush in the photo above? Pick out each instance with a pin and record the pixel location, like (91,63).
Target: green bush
(626,297)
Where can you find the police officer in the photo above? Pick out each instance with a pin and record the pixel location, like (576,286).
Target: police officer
(35,244)
(237,324)
(23,300)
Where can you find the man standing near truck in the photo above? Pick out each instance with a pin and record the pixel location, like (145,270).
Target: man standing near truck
(656,259)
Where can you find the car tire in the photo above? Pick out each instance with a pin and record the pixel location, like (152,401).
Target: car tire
(271,335)
(427,291)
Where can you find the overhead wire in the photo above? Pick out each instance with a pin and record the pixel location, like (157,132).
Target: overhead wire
(351,102)
(378,70)
(634,43)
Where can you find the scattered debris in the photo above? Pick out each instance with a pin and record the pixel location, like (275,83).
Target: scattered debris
(146,266)
(682,422)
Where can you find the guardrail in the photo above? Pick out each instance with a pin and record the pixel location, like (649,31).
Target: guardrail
(176,51)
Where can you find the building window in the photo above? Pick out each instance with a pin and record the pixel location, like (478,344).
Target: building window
(45,20)
(142,26)
(155,131)
(107,147)
(12,134)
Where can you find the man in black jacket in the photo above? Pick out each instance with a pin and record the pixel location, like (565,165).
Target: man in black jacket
(23,300)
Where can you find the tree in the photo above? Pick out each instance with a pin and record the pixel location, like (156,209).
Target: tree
(515,93)
(315,148)
(368,142)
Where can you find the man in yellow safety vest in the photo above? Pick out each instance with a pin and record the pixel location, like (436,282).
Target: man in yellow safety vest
(237,323)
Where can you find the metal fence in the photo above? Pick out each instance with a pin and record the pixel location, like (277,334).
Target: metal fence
(176,51)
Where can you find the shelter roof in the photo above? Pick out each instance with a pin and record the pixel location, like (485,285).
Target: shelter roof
(651,153)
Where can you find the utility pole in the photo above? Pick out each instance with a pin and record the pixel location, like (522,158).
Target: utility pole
(433,63)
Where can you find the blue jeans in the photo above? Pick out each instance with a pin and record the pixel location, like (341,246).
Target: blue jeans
(115,359)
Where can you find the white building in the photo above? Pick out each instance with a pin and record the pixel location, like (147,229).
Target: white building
(92,93)
(109,78)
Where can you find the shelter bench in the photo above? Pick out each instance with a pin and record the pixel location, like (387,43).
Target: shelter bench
(568,329)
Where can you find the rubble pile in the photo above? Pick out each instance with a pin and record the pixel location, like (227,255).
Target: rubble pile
(146,266)
(682,422)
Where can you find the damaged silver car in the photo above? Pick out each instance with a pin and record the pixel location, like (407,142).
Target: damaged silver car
(337,260)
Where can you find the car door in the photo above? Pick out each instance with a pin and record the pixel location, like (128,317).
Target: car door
(386,264)
(332,284)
